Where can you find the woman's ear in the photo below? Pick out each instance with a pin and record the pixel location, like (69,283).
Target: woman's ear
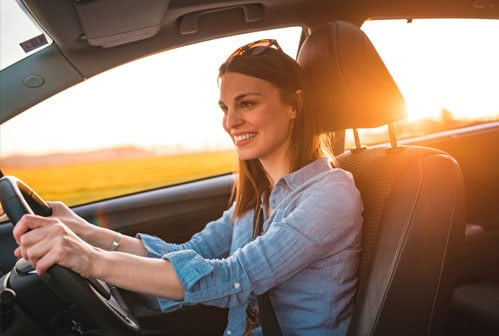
(297,103)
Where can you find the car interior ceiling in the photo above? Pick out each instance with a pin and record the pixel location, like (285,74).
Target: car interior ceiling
(179,24)
(479,275)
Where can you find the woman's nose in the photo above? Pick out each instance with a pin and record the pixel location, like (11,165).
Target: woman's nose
(232,119)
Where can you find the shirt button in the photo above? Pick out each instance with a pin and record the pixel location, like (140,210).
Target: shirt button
(229,332)
(237,285)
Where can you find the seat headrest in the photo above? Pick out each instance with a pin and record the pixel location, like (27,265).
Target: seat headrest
(346,82)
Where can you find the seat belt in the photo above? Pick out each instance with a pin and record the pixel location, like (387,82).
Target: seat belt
(268,318)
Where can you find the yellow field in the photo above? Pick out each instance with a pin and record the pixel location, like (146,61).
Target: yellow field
(81,183)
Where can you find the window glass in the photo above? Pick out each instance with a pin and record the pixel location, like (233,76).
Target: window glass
(149,123)
(447,71)
(19,34)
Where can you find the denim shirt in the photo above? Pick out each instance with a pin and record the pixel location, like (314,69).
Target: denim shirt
(307,258)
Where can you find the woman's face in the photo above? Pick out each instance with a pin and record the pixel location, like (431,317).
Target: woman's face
(256,118)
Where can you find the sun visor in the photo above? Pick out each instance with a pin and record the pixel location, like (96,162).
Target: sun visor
(108,23)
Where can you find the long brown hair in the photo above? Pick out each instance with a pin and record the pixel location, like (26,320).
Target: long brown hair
(306,143)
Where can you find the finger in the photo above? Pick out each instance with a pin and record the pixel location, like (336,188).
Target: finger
(57,204)
(17,252)
(40,228)
(34,244)
(29,222)
(43,264)
(20,228)
(59,209)
(46,251)
(68,251)
(35,252)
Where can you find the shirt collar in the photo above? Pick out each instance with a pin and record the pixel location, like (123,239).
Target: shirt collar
(297,178)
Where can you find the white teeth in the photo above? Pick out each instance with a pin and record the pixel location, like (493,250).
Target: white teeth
(242,137)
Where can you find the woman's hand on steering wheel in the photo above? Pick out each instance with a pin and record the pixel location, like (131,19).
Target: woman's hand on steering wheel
(45,241)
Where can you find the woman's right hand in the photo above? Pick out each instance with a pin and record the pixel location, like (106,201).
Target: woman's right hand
(45,241)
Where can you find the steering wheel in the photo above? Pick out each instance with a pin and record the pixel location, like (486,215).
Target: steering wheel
(103,305)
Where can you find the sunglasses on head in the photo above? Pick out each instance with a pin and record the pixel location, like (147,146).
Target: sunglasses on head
(255,48)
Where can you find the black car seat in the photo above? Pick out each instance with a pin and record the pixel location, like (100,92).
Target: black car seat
(413,196)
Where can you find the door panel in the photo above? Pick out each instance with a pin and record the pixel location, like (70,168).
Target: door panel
(174,214)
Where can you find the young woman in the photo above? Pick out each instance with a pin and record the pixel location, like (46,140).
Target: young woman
(293,229)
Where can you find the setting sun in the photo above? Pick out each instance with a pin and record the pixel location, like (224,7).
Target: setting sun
(430,61)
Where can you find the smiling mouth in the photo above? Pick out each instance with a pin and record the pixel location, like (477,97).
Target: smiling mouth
(244,137)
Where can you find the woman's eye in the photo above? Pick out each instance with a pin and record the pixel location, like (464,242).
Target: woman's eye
(246,104)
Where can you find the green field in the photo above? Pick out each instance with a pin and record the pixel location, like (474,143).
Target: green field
(85,182)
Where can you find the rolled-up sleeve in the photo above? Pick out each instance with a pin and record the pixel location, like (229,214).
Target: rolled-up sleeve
(212,242)
(216,282)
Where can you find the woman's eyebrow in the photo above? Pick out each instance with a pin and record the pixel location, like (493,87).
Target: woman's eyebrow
(243,95)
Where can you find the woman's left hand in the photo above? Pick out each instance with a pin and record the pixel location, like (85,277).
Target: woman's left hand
(45,241)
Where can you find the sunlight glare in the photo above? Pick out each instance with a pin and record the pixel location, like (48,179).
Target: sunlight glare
(441,64)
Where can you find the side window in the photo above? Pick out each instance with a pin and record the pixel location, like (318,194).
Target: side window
(446,69)
(149,123)
(17,43)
